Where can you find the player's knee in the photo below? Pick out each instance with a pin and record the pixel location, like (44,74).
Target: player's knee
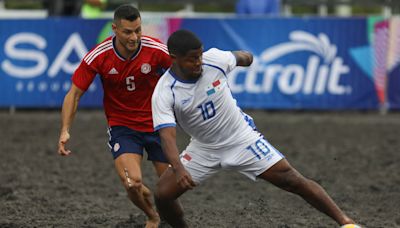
(161,193)
(133,183)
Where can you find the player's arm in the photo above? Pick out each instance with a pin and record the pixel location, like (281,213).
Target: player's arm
(168,143)
(69,108)
(162,103)
(243,58)
(81,80)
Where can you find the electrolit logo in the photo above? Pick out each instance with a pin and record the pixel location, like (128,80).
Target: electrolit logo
(322,73)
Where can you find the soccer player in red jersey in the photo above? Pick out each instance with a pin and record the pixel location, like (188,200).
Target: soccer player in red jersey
(129,65)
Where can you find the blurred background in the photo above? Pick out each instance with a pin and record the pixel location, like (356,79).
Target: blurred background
(288,7)
(323,70)
(309,54)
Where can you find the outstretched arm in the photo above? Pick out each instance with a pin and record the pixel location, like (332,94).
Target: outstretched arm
(170,149)
(243,58)
(69,108)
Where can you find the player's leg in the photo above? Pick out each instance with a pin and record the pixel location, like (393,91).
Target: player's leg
(152,144)
(262,160)
(154,151)
(200,166)
(166,199)
(284,176)
(127,150)
(160,167)
(128,166)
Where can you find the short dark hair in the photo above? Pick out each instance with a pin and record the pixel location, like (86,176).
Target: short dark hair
(127,12)
(182,41)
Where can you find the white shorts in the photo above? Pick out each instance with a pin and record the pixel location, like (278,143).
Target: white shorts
(250,160)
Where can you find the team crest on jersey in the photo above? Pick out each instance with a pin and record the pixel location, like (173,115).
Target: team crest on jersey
(214,87)
(116,147)
(145,68)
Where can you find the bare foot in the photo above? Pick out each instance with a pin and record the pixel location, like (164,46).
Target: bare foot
(346,220)
(153,222)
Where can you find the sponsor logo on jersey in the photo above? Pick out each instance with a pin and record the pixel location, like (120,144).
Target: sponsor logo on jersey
(186,101)
(145,68)
(113,71)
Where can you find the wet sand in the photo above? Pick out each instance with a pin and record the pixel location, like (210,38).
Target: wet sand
(354,156)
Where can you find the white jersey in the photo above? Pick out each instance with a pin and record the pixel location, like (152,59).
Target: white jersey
(205,108)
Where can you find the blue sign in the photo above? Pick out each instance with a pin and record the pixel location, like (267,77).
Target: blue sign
(393,90)
(298,63)
(38,58)
(309,63)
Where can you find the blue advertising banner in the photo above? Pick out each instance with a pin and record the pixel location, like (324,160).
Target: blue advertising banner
(393,65)
(299,63)
(308,63)
(38,57)
(394,88)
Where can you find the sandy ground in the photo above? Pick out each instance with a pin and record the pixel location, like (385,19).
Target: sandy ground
(354,156)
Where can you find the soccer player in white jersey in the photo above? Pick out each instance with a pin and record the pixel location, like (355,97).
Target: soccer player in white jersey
(194,94)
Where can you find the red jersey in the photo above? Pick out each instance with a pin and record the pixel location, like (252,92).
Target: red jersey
(128,84)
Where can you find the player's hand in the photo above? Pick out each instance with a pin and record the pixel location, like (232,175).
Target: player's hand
(64,137)
(184,178)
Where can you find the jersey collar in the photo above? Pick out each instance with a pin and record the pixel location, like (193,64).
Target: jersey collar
(120,56)
(180,79)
